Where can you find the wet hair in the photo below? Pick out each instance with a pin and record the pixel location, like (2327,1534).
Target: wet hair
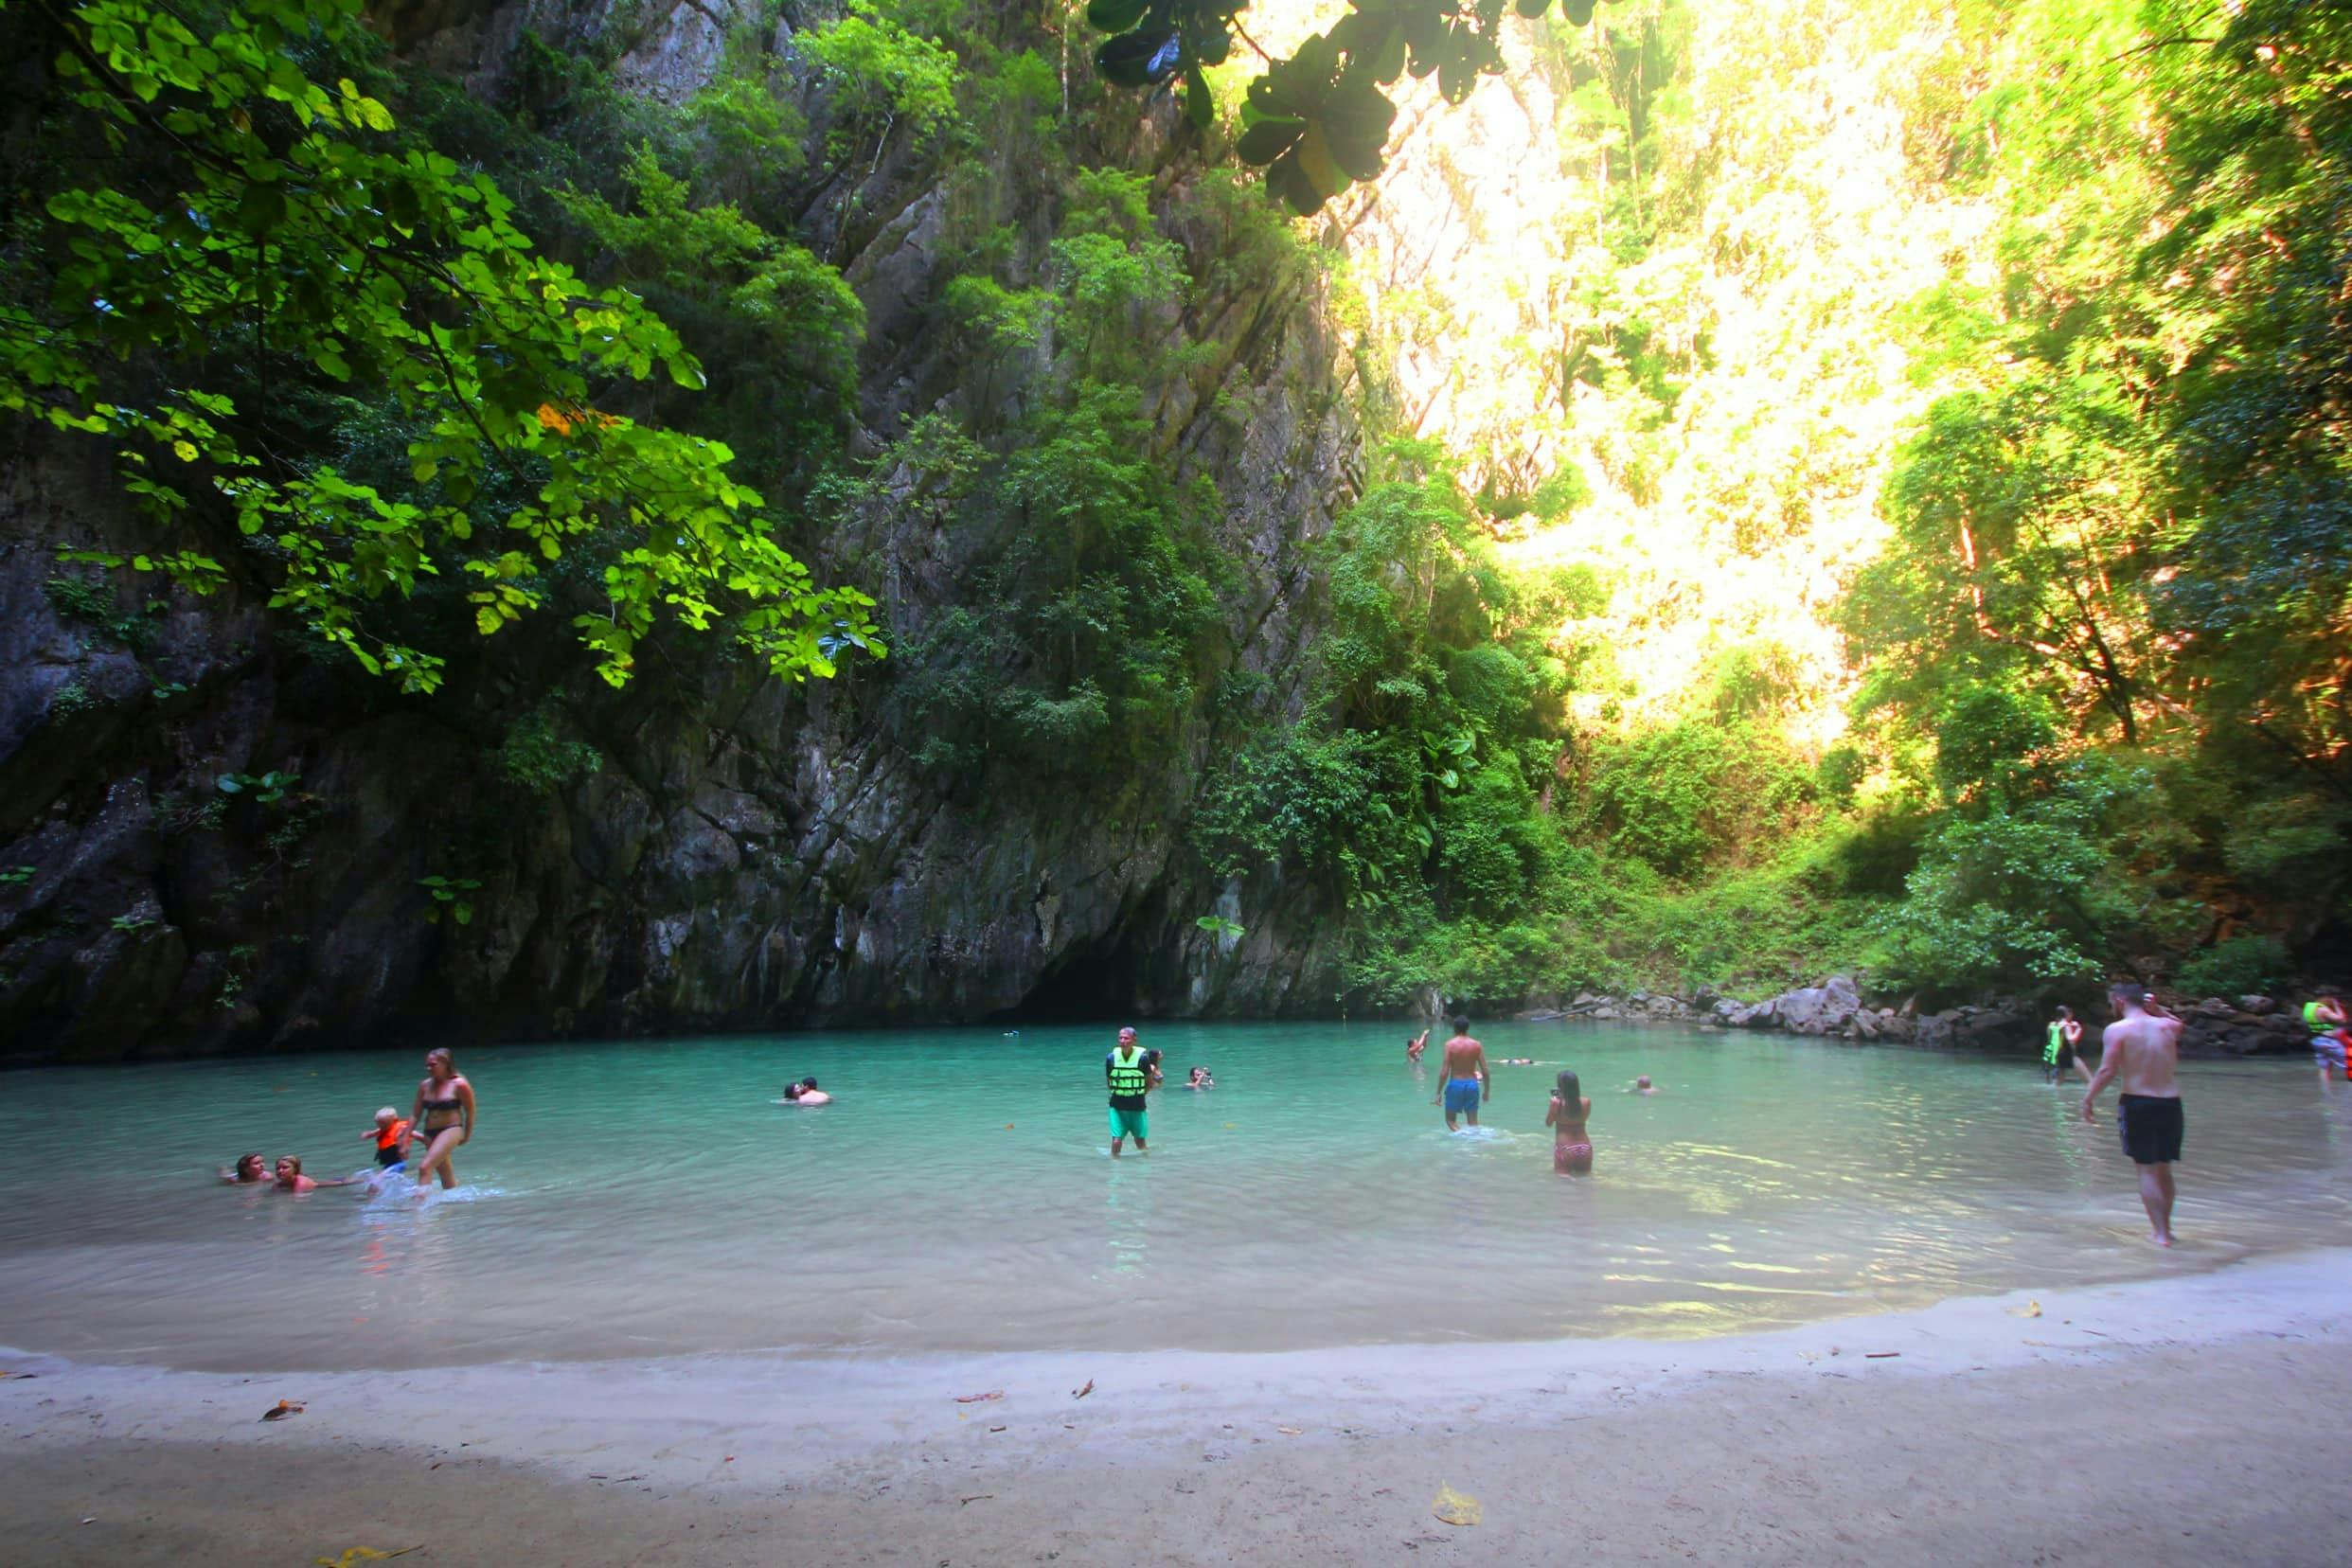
(2128,993)
(447,1060)
(243,1159)
(808,1083)
(294,1160)
(1568,1089)
(1640,1081)
(1461,1026)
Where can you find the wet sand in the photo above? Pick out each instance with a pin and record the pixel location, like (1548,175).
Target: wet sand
(2175,1420)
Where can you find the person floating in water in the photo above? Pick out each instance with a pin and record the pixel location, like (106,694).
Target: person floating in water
(2059,1047)
(290,1177)
(1641,1086)
(806,1092)
(2325,1017)
(443,1116)
(1463,1081)
(1572,1146)
(248,1171)
(1415,1046)
(1133,1073)
(2141,1049)
(1200,1079)
(391,1135)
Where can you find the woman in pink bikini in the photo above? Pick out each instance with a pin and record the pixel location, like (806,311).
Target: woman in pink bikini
(1572,1148)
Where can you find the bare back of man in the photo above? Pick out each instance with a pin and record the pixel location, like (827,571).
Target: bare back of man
(1462,1083)
(2140,1052)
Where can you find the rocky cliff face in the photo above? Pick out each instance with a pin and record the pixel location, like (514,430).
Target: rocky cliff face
(210,840)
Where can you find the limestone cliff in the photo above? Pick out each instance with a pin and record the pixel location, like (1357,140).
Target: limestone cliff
(212,840)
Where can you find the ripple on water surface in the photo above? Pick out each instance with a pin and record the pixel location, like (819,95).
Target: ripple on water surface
(651,1198)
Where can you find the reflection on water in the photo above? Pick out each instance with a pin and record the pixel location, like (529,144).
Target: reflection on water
(649,1198)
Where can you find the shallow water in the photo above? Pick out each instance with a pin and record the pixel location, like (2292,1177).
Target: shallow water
(645,1198)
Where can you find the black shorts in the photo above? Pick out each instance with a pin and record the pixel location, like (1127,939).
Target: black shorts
(389,1157)
(2150,1128)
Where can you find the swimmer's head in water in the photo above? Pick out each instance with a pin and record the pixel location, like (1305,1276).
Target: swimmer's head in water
(289,1164)
(248,1168)
(806,1084)
(1568,1089)
(1461,1026)
(1642,1082)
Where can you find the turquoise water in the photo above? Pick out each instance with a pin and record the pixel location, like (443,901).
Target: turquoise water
(639,1198)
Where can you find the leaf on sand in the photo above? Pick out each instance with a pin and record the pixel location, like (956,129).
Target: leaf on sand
(1082,1393)
(279,1411)
(980,1398)
(2032,1309)
(1452,1508)
(1290,1432)
(352,1555)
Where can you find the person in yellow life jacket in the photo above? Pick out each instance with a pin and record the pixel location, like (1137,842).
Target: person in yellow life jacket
(1132,1074)
(2325,1017)
(2057,1050)
(391,1135)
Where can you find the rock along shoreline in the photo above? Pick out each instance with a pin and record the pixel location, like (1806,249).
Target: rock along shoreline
(1836,1009)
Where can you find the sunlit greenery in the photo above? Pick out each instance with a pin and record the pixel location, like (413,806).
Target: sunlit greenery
(1876,497)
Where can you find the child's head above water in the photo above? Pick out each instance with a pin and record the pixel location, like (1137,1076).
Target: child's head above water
(1642,1082)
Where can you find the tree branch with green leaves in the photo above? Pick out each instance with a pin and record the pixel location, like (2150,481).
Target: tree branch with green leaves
(267,217)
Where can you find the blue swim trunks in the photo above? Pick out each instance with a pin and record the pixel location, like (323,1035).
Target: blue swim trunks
(1461,1096)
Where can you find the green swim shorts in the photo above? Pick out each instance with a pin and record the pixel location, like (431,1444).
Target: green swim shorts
(1130,1123)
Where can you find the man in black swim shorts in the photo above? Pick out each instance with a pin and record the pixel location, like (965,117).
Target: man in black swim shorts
(2142,1047)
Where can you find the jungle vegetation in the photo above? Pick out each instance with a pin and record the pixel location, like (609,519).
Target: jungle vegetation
(1929,552)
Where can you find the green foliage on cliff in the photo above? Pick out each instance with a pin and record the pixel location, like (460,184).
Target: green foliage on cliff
(266,228)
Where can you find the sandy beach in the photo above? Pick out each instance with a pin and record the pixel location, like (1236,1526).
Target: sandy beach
(2181,1419)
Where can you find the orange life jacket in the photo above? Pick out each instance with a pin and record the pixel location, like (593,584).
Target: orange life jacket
(390,1138)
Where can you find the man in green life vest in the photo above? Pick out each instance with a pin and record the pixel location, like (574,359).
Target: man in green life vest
(1133,1072)
(2325,1017)
(2057,1050)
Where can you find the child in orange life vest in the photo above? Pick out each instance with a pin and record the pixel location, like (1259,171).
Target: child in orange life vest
(391,1135)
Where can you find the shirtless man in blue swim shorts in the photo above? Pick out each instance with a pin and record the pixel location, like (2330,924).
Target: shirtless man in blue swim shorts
(1463,1081)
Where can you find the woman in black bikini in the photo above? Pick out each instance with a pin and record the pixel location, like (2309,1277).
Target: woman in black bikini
(443,1116)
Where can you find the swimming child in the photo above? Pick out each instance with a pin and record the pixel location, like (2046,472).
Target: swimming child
(248,1171)
(1572,1148)
(391,1135)
(1200,1079)
(290,1177)
(1641,1086)
(806,1092)
(1415,1046)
